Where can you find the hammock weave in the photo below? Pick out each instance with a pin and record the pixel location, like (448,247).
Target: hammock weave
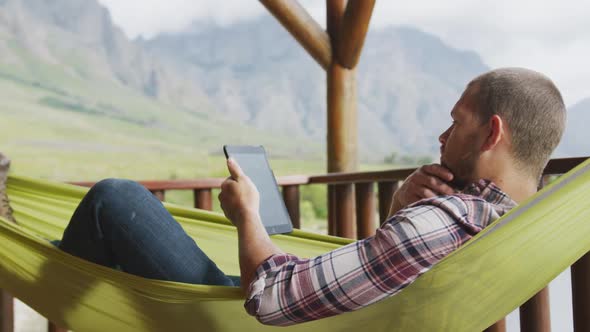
(491,275)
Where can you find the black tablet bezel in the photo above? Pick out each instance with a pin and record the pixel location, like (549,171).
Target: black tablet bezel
(230,151)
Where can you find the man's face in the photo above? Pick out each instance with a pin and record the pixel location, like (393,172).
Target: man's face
(461,142)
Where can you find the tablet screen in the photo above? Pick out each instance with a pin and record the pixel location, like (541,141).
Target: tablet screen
(252,160)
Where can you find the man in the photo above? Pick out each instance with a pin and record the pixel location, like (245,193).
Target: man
(504,128)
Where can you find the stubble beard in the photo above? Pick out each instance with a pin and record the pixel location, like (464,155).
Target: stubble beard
(463,171)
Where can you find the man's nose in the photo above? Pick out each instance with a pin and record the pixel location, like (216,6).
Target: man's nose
(443,137)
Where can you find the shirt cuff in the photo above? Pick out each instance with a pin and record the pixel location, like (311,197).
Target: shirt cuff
(264,275)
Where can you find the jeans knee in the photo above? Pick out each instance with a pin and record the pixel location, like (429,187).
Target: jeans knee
(115,188)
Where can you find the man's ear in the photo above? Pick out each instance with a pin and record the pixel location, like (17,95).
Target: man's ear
(495,133)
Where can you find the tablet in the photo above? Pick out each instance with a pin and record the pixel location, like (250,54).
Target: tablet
(253,161)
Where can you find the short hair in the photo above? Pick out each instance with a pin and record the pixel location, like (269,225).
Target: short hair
(532,107)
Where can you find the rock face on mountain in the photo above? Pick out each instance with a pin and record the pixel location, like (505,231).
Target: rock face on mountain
(79,38)
(254,71)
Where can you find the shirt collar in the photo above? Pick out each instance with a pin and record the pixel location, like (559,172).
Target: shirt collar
(488,191)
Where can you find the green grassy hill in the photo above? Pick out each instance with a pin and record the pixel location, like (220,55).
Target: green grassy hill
(98,132)
(94,130)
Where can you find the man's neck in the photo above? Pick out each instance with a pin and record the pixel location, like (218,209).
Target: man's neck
(518,187)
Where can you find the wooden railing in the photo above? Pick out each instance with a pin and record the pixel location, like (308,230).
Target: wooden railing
(362,200)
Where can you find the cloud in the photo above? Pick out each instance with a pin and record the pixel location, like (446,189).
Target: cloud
(150,17)
(549,36)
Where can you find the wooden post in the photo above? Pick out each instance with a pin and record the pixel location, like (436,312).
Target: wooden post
(342,141)
(581,293)
(331,209)
(203,199)
(160,194)
(291,198)
(386,190)
(345,207)
(365,210)
(535,313)
(342,118)
(342,131)
(499,326)
(51,327)
(6,312)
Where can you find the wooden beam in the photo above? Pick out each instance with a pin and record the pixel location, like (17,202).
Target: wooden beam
(334,15)
(303,28)
(204,183)
(554,167)
(353,31)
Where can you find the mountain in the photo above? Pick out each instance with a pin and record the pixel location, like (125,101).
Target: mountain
(575,139)
(247,82)
(80,37)
(255,72)
(74,87)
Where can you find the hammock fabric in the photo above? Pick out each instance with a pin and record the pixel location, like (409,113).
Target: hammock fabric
(469,290)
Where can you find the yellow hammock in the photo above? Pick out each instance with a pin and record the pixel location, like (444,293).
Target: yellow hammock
(469,290)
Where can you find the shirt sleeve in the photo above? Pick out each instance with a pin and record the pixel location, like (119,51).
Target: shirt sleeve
(288,290)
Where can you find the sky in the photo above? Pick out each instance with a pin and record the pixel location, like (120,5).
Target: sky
(549,36)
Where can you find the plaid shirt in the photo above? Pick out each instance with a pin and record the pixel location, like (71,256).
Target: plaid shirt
(288,290)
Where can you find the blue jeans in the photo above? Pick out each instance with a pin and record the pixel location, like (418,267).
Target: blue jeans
(122,225)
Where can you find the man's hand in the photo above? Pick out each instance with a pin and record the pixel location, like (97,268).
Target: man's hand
(426,182)
(239,197)
(240,200)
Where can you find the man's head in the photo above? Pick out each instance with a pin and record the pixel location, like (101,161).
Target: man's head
(510,117)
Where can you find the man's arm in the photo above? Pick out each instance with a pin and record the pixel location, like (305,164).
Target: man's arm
(289,290)
(240,201)
(283,289)
(254,246)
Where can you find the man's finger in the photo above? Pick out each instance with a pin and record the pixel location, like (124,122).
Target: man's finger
(425,192)
(234,169)
(439,171)
(226,183)
(438,186)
